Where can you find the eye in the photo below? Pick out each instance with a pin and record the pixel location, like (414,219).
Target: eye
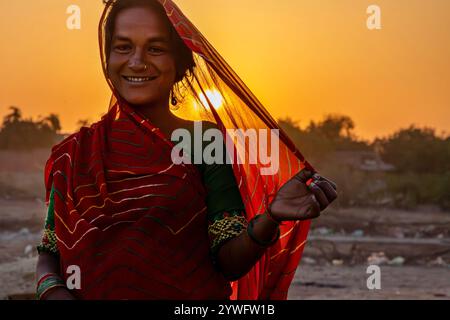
(122,48)
(155,50)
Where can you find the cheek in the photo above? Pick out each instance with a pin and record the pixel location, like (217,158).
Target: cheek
(113,70)
(167,66)
(114,64)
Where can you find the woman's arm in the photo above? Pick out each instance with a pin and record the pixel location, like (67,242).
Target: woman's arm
(48,260)
(237,256)
(301,198)
(49,264)
(234,251)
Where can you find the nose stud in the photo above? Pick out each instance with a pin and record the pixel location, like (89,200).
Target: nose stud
(133,64)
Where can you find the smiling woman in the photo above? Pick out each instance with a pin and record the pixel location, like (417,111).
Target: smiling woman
(139,226)
(145,57)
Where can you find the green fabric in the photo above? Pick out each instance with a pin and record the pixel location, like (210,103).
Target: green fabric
(222,191)
(50,219)
(48,241)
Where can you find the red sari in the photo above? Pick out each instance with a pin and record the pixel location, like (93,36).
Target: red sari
(104,175)
(134,222)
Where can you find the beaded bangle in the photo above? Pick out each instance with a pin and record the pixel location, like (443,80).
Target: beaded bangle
(262,243)
(47,283)
(45,276)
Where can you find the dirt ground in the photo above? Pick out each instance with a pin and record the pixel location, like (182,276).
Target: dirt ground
(333,267)
(349,282)
(411,248)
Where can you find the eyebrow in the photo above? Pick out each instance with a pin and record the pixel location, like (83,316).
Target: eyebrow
(153,39)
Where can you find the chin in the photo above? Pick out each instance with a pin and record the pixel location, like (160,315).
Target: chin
(139,100)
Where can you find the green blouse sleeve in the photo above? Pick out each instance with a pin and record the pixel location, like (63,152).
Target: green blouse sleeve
(48,241)
(226,210)
(222,191)
(226,218)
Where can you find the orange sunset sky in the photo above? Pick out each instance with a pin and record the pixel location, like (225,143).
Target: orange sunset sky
(302,59)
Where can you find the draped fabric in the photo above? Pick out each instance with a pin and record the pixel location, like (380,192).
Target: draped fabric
(132,221)
(214,92)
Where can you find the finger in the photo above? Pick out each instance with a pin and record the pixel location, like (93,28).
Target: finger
(320,195)
(327,188)
(304,175)
(317,176)
(314,208)
(310,211)
(333,184)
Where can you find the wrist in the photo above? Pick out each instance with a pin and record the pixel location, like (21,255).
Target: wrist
(48,284)
(272,218)
(261,233)
(54,293)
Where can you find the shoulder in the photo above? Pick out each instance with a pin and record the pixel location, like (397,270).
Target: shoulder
(77,139)
(66,143)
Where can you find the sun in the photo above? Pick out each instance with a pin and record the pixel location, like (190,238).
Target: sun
(214,96)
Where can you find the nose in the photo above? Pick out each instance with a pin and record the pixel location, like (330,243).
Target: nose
(137,65)
(136,62)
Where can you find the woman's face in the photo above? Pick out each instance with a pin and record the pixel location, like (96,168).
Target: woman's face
(141,64)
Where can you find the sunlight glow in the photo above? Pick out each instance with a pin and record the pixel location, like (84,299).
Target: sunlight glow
(214,96)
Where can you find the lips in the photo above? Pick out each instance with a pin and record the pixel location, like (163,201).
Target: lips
(134,79)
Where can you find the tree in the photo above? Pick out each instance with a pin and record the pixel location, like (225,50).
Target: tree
(421,157)
(19,133)
(320,140)
(13,117)
(416,150)
(50,122)
(334,127)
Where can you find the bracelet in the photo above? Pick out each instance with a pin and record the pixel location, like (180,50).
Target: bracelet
(262,243)
(45,276)
(269,214)
(47,283)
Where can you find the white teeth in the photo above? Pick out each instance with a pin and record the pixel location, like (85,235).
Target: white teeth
(138,79)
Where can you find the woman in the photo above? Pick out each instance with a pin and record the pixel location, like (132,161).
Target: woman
(138,226)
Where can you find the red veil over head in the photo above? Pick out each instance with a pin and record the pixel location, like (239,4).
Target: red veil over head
(214,80)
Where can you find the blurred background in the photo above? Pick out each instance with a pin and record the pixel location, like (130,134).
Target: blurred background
(370,109)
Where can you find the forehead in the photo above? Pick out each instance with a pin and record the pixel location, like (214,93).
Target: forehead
(140,22)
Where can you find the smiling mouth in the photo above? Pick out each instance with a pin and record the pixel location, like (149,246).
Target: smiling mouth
(138,79)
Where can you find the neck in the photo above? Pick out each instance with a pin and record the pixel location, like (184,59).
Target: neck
(155,112)
(160,116)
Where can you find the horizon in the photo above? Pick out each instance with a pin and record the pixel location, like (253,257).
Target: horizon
(384,79)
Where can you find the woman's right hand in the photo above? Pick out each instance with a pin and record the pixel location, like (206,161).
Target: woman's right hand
(297,201)
(59,293)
